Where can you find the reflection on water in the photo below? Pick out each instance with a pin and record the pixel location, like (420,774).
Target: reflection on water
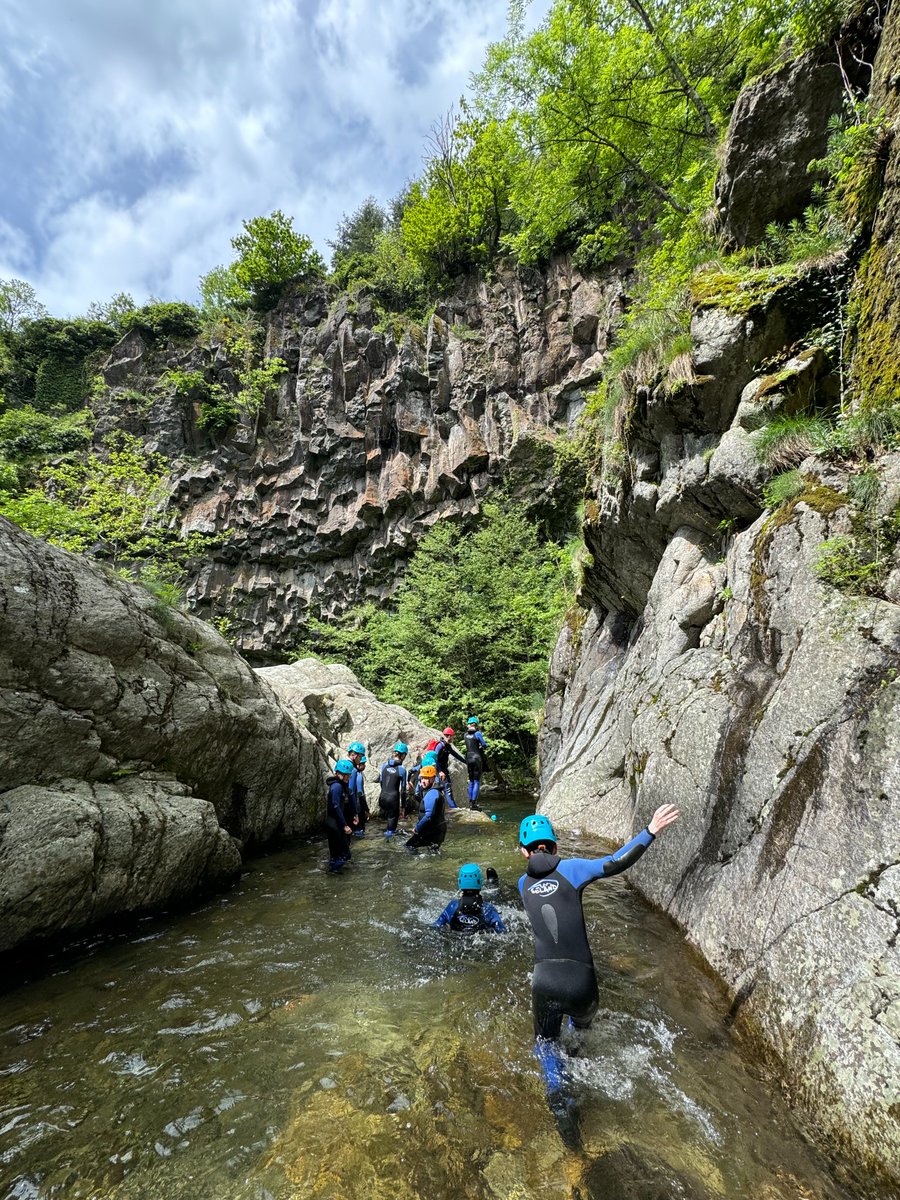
(312,1036)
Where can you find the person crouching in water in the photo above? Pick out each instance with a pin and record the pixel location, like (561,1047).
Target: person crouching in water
(337,829)
(392,778)
(431,828)
(470,913)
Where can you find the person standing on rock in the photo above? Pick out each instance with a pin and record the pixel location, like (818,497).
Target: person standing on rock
(431,828)
(392,778)
(564,982)
(443,750)
(476,759)
(337,829)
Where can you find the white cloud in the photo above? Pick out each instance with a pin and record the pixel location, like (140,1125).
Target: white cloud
(147,133)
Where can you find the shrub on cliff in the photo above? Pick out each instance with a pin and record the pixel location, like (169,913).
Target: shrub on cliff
(271,254)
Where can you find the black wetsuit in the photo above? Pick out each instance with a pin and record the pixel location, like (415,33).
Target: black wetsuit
(357,789)
(475,748)
(336,795)
(431,828)
(564,982)
(393,786)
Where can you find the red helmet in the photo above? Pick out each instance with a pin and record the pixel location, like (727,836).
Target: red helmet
(448,732)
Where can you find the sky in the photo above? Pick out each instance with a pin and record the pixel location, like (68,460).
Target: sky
(137,135)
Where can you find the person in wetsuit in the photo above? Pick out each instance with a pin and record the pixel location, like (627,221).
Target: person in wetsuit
(337,830)
(470,913)
(476,759)
(431,828)
(357,787)
(392,778)
(443,751)
(564,982)
(355,751)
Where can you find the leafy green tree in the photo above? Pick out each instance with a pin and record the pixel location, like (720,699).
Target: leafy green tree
(112,311)
(221,294)
(111,504)
(18,303)
(475,621)
(453,218)
(620,104)
(271,254)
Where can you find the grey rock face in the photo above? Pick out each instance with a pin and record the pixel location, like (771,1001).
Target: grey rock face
(778,126)
(138,753)
(74,852)
(372,438)
(767,707)
(329,701)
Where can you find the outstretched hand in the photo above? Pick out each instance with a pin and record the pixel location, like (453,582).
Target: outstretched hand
(664,815)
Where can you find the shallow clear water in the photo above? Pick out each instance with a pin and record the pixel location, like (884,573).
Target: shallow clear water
(307,1035)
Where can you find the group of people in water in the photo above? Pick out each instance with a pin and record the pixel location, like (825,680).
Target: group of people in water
(423,788)
(564,982)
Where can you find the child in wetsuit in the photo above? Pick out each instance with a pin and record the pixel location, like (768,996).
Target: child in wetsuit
(470,913)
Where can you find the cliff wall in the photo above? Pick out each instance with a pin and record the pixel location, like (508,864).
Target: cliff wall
(318,501)
(714,664)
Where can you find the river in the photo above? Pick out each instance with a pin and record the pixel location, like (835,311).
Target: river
(306,1035)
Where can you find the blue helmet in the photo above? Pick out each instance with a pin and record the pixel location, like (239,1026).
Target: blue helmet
(473,721)
(535,829)
(343,766)
(470,877)
(401,748)
(356,748)
(363,760)
(429,758)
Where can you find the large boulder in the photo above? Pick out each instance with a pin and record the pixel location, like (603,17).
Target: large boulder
(140,756)
(779,125)
(329,701)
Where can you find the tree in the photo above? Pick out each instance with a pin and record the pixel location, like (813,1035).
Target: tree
(475,621)
(221,293)
(111,504)
(112,311)
(18,303)
(454,217)
(357,235)
(270,255)
(618,105)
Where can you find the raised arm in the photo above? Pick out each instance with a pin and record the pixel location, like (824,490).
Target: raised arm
(580,871)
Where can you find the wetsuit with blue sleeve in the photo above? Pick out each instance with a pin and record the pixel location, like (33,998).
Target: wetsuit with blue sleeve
(564,982)
(469,914)
(431,828)
(335,821)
